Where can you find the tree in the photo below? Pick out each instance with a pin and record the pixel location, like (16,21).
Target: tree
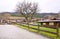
(6,15)
(27,10)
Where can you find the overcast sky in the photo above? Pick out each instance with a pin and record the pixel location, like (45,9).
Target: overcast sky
(44,5)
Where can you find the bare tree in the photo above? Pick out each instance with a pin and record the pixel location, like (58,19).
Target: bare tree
(6,15)
(27,10)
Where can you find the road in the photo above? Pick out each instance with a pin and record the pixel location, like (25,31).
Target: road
(14,32)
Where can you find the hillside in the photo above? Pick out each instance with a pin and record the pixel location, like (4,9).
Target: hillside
(38,15)
(44,14)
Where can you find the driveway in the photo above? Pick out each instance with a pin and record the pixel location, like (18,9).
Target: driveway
(14,32)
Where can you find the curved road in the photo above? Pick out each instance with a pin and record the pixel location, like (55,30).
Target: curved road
(13,32)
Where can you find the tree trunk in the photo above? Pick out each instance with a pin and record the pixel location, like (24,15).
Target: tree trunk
(28,24)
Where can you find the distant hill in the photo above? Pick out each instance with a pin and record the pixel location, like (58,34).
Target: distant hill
(11,13)
(38,15)
(44,14)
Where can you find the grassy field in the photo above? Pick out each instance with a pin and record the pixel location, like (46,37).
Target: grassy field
(53,36)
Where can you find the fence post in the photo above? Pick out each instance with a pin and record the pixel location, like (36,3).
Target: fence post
(38,27)
(57,29)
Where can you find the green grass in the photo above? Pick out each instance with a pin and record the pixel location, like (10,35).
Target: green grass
(41,32)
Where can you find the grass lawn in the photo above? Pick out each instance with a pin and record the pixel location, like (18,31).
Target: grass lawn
(41,32)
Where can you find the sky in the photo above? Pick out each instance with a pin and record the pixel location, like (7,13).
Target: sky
(44,5)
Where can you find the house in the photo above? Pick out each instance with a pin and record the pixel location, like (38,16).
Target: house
(49,17)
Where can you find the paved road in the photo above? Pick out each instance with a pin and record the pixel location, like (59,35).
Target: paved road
(13,32)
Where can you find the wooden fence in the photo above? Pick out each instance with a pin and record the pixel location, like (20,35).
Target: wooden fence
(55,26)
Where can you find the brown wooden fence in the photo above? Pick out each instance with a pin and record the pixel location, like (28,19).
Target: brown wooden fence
(55,26)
